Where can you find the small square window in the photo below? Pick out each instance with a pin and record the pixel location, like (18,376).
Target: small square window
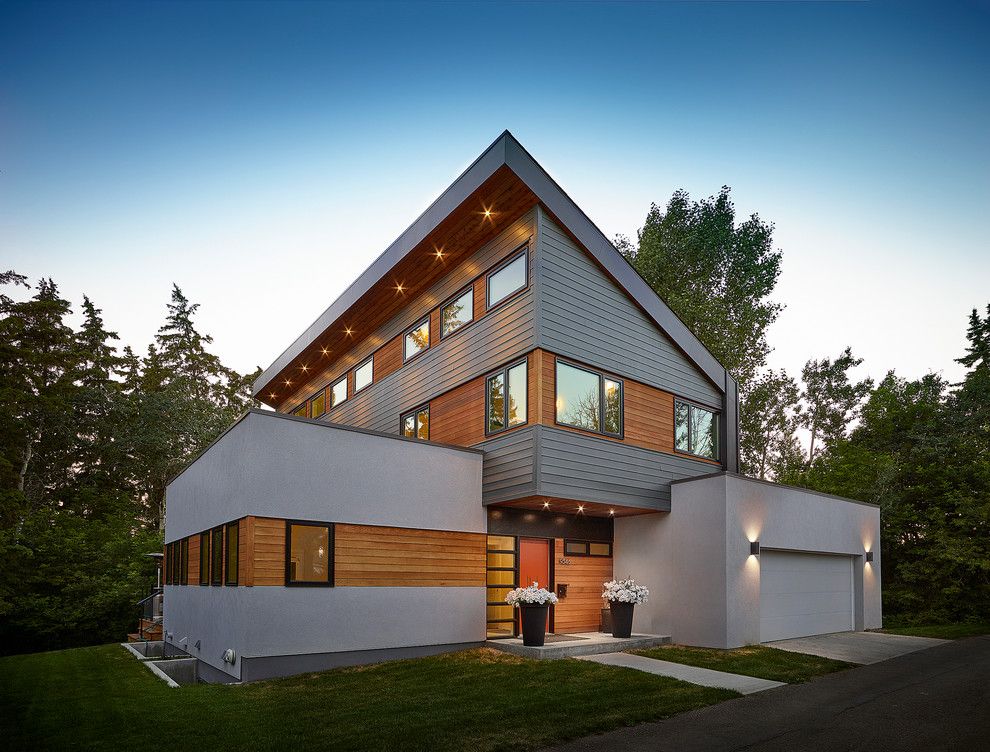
(309,554)
(364,375)
(302,410)
(318,404)
(457,313)
(695,430)
(338,392)
(416,340)
(416,425)
(576,548)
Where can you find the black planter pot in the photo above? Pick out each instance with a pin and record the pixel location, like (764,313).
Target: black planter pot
(534,624)
(622,614)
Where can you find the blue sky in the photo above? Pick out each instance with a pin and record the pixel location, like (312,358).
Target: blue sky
(262,155)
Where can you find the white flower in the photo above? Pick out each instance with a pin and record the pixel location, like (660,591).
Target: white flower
(533,594)
(625,591)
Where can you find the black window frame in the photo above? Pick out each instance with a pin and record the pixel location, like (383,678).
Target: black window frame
(304,407)
(216,571)
(288,554)
(235,525)
(168,564)
(523,251)
(309,402)
(184,561)
(453,299)
(358,367)
(402,420)
(504,373)
(330,403)
(429,337)
(587,545)
(204,550)
(716,418)
(603,376)
(515,580)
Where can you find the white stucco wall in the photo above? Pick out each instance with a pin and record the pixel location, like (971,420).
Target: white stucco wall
(705,586)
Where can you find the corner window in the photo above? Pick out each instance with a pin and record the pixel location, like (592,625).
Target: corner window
(695,430)
(308,554)
(233,531)
(301,411)
(364,374)
(507,279)
(216,558)
(506,398)
(457,313)
(587,548)
(416,425)
(318,404)
(588,400)
(338,392)
(416,340)
(204,558)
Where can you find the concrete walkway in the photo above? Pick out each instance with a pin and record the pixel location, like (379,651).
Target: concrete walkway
(706,677)
(582,643)
(857,647)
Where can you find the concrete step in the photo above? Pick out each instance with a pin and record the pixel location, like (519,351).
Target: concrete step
(584,643)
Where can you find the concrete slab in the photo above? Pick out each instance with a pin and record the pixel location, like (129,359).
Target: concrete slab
(586,643)
(856,647)
(706,677)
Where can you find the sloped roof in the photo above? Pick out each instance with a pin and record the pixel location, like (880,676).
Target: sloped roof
(507,152)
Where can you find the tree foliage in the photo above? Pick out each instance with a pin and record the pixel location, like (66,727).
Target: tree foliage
(89,439)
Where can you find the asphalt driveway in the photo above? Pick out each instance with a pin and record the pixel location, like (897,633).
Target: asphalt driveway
(856,647)
(936,699)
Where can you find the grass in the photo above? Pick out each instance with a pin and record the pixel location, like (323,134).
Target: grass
(102,698)
(753,660)
(941,631)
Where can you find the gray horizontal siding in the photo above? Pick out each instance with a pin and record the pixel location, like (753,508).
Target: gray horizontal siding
(509,470)
(504,334)
(585,316)
(588,468)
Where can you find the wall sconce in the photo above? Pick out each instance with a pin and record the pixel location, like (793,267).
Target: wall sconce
(869,556)
(754,548)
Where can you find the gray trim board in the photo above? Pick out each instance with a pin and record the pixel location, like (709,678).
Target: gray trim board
(777,485)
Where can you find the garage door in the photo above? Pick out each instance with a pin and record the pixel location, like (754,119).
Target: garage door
(804,594)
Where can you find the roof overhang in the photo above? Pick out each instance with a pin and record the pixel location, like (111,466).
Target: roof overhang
(505,161)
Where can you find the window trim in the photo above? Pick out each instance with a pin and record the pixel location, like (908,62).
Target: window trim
(358,367)
(329,389)
(236,525)
(184,561)
(456,296)
(587,544)
(204,550)
(425,407)
(216,578)
(716,415)
(429,343)
(602,377)
(309,403)
(523,251)
(304,406)
(288,554)
(504,372)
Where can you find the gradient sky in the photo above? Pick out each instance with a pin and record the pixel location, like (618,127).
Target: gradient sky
(261,156)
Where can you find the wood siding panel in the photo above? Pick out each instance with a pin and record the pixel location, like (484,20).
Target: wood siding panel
(194,559)
(269,551)
(388,359)
(435,327)
(580,611)
(458,416)
(586,316)
(245,551)
(367,556)
(480,296)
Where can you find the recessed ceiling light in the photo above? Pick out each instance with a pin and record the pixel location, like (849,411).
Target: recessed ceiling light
(546,504)
(272,395)
(398,288)
(288,383)
(580,507)
(325,351)
(348,331)
(304,368)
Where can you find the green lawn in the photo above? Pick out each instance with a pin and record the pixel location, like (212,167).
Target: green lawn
(102,698)
(941,631)
(753,660)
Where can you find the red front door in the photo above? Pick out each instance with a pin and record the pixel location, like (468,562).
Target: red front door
(534,563)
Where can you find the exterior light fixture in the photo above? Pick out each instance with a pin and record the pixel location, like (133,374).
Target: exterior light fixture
(325,351)
(304,368)
(546,504)
(348,331)
(398,288)
(611,511)
(439,253)
(869,556)
(288,383)
(754,548)
(272,395)
(580,507)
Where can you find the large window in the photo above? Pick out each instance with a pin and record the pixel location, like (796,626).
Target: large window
(588,399)
(308,559)
(184,562)
(216,558)
(416,340)
(318,404)
(301,411)
(233,531)
(416,424)
(338,392)
(507,279)
(505,398)
(364,374)
(457,313)
(204,558)
(501,573)
(695,430)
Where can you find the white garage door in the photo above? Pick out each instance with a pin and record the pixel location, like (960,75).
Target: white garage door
(804,594)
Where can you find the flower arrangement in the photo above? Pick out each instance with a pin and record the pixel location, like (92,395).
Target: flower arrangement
(625,591)
(533,595)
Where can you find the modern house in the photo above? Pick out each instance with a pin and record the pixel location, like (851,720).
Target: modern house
(499,399)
